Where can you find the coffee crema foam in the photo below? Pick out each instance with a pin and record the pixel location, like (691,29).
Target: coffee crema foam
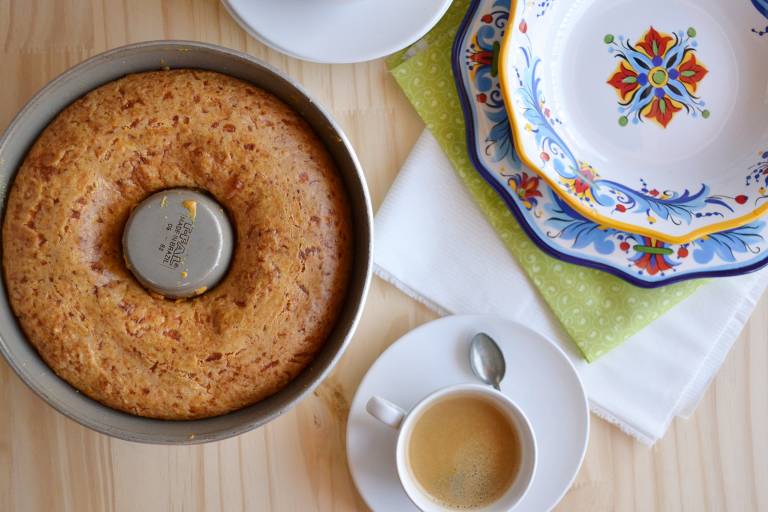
(464,452)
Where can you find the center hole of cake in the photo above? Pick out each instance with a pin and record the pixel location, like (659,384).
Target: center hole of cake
(178,243)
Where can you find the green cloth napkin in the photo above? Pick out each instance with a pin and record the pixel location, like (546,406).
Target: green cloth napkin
(598,310)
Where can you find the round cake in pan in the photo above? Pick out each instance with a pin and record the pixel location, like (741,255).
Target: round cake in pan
(82,308)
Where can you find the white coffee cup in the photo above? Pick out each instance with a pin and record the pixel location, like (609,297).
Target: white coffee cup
(393,416)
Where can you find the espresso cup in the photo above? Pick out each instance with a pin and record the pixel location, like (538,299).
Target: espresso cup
(395,417)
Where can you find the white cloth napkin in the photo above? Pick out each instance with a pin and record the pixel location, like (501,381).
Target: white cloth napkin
(433,243)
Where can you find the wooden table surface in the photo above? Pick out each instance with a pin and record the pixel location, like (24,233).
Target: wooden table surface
(717,460)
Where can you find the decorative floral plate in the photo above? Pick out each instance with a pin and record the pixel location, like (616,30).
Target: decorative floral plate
(548,220)
(649,117)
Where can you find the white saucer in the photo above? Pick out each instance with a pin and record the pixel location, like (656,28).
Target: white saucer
(337,31)
(539,378)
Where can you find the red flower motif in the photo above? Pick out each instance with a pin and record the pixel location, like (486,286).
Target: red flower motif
(741,199)
(621,208)
(691,72)
(523,27)
(530,184)
(487,18)
(661,110)
(482,98)
(624,80)
(654,44)
(482,57)
(526,187)
(653,262)
(657,90)
(580,186)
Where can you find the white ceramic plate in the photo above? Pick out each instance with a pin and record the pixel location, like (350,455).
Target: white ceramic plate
(337,31)
(539,378)
(649,117)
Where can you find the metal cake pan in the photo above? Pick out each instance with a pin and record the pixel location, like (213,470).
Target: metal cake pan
(106,67)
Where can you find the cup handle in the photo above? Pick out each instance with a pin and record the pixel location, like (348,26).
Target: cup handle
(385,411)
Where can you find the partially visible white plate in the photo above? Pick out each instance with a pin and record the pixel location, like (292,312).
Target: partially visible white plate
(539,378)
(337,31)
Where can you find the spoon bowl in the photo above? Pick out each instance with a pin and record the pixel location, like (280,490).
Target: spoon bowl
(487,360)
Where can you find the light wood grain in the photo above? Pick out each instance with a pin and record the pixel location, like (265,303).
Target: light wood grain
(717,460)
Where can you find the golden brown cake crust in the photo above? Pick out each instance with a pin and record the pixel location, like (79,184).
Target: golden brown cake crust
(90,319)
